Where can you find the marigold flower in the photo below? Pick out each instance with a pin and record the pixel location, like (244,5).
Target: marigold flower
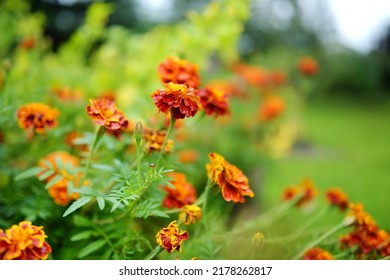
(59,191)
(180,100)
(337,198)
(188,156)
(231,180)
(155,140)
(306,189)
(67,94)
(28,43)
(24,242)
(179,71)
(37,116)
(317,254)
(278,77)
(271,108)
(171,237)
(104,113)
(190,214)
(182,193)
(308,66)
(252,75)
(214,100)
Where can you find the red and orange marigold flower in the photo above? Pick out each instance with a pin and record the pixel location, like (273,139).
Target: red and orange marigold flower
(214,100)
(231,180)
(37,117)
(308,66)
(179,71)
(190,214)
(337,198)
(103,112)
(179,99)
(171,237)
(182,193)
(24,242)
(317,254)
(59,191)
(306,190)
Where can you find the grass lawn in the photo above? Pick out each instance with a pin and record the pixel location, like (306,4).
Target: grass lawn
(348,146)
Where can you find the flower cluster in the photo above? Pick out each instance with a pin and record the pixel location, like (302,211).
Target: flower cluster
(366,235)
(179,71)
(37,116)
(231,180)
(171,237)
(181,192)
(59,191)
(317,254)
(104,113)
(24,242)
(305,190)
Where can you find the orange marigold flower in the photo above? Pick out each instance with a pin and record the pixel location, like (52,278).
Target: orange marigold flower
(182,193)
(24,242)
(308,66)
(67,94)
(179,71)
(337,198)
(28,43)
(317,254)
(188,156)
(305,189)
(190,214)
(171,237)
(231,180)
(155,140)
(271,108)
(104,113)
(278,77)
(214,100)
(59,191)
(37,116)
(180,100)
(252,75)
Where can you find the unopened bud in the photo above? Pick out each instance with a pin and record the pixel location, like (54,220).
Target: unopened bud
(138,132)
(258,240)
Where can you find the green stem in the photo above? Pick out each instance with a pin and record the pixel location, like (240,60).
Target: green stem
(319,240)
(92,148)
(205,196)
(154,253)
(172,123)
(138,148)
(386,258)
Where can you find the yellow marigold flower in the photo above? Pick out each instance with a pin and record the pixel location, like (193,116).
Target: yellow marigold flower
(308,66)
(59,191)
(317,254)
(24,242)
(179,71)
(190,214)
(37,117)
(171,237)
(104,113)
(180,100)
(155,139)
(214,100)
(231,180)
(306,189)
(337,198)
(182,193)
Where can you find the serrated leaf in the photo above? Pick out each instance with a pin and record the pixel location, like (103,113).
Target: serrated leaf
(103,167)
(77,204)
(82,235)
(158,213)
(53,181)
(46,174)
(115,206)
(29,173)
(81,221)
(90,248)
(101,202)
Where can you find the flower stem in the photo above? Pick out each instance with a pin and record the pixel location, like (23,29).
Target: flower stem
(205,196)
(172,123)
(157,250)
(319,240)
(92,148)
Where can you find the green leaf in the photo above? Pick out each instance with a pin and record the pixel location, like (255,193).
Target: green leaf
(82,235)
(81,221)
(103,167)
(29,173)
(90,248)
(53,181)
(101,202)
(46,174)
(77,204)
